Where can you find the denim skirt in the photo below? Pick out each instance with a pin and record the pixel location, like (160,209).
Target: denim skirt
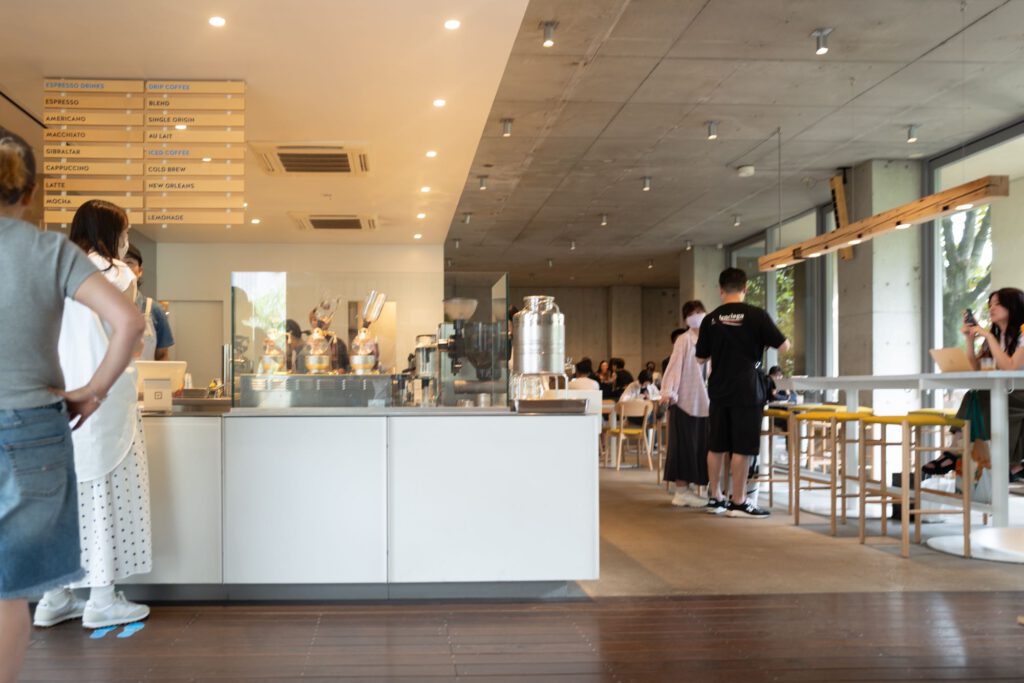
(39,546)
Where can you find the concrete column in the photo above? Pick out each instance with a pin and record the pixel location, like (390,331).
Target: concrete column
(625,325)
(880,314)
(699,269)
(1007,245)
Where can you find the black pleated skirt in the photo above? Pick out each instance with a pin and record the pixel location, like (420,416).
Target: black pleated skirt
(687,458)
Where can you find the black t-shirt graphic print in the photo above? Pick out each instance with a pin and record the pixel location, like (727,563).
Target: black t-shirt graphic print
(734,337)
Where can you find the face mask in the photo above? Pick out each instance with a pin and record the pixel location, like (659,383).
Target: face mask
(122,246)
(693,321)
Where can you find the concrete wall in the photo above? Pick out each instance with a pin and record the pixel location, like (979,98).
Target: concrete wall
(699,269)
(660,317)
(625,325)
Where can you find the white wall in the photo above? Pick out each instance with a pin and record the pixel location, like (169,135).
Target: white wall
(202,272)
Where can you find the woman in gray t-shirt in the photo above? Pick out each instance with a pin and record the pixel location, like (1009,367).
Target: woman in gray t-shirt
(39,546)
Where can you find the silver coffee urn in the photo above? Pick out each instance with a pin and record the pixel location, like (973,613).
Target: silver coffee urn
(538,348)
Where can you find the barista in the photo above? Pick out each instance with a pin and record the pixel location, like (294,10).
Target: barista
(158,339)
(295,357)
(297,350)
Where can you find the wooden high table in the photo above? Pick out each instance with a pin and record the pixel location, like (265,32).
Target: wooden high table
(999,543)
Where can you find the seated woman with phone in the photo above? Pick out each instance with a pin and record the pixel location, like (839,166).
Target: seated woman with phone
(1002,348)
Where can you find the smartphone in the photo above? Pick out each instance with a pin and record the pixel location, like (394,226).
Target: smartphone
(969,318)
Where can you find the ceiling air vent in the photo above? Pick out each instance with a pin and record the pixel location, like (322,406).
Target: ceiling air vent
(341,223)
(279,158)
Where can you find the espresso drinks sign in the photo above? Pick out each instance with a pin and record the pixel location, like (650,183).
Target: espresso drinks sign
(168,152)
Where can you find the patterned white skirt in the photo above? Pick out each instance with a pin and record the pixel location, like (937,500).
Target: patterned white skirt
(114,523)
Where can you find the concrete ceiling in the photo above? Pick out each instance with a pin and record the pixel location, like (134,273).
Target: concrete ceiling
(344,71)
(629,84)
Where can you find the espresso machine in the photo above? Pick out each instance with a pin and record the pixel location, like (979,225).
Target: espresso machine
(471,366)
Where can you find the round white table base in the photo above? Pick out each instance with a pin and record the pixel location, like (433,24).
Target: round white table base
(995,545)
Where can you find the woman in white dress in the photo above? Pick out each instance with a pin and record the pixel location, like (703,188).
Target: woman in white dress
(110,450)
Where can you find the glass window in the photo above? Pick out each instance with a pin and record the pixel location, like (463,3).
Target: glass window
(965,244)
(793,301)
(745,257)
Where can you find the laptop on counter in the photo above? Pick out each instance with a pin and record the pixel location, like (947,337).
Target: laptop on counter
(951,360)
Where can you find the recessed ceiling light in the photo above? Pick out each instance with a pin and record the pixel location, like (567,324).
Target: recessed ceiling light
(417,236)
(452,24)
(431,153)
(549,33)
(180,126)
(440,103)
(712,130)
(647,183)
(911,133)
(255,221)
(218,21)
(421,216)
(245,205)
(425,188)
(821,38)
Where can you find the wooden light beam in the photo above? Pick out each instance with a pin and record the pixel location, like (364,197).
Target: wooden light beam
(932,207)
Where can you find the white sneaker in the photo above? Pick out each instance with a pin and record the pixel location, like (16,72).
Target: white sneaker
(692,500)
(120,611)
(679,500)
(48,613)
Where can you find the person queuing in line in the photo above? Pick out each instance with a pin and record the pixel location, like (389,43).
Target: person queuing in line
(110,450)
(584,378)
(158,339)
(733,337)
(622,377)
(39,544)
(683,389)
(1002,348)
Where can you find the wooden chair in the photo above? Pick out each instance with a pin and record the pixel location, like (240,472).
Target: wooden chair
(624,430)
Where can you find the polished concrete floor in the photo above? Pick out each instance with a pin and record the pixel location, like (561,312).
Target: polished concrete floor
(649,547)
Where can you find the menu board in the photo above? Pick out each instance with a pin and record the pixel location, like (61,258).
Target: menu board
(168,152)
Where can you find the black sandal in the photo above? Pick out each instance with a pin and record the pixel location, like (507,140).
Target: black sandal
(941,465)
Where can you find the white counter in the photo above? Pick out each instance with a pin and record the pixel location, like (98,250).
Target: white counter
(387,496)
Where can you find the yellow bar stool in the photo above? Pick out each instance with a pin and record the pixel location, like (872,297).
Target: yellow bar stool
(915,450)
(822,466)
(767,467)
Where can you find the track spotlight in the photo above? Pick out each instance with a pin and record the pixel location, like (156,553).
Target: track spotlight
(483,182)
(506,128)
(712,130)
(912,134)
(604,219)
(647,183)
(549,33)
(821,37)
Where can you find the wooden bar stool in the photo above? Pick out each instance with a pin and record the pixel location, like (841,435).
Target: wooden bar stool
(915,451)
(823,466)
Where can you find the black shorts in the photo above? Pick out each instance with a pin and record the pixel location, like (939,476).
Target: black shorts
(735,429)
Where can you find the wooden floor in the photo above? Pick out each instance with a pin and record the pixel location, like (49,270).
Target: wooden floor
(807,637)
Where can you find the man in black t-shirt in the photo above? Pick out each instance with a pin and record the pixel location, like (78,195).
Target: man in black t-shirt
(734,337)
